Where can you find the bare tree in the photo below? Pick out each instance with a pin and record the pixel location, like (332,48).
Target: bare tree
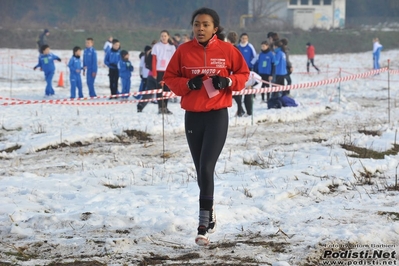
(267,12)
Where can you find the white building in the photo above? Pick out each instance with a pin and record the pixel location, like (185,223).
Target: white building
(303,14)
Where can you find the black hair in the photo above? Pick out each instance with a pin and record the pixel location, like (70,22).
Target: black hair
(269,34)
(90,39)
(44,47)
(243,34)
(265,42)
(278,43)
(141,55)
(215,17)
(115,41)
(284,41)
(177,35)
(75,49)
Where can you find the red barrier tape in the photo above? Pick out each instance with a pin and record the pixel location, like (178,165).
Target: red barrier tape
(166,95)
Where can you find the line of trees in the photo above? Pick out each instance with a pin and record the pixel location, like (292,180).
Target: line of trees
(105,14)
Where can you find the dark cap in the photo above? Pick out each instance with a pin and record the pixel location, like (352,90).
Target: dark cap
(46,30)
(308,44)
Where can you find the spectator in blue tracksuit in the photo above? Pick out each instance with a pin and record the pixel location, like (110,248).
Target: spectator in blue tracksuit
(111,60)
(377,47)
(280,62)
(90,66)
(46,64)
(75,67)
(247,50)
(125,68)
(264,66)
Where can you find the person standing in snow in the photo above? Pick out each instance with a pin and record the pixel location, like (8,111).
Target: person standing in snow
(90,65)
(280,63)
(46,64)
(151,82)
(247,50)
(143,71)
(75,68)
(162,52)
(232,37)
(286,50)
(111,60)
(42,40)
(377,47)
(264,66)
(204,72)
(310,52)
(125,69)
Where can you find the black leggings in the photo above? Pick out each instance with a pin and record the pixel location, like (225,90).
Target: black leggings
(206,134)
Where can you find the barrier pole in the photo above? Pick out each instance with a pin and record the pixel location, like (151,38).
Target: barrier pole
(163,124)
(11,67)
(339,86)
(389,95)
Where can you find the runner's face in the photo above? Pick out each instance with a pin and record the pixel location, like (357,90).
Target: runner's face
(203,28)
(164,37)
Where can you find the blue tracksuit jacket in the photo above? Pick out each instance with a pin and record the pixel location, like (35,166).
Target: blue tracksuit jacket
(280,62)
(112,58)
(248,52)
(46,63)
(264,64)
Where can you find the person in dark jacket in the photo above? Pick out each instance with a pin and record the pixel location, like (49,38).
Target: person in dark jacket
(42,39)
(111,61)
(125,68)
(286,50)
(75,68)
(232,37)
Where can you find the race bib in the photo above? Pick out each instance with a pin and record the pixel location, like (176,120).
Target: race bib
(212,92)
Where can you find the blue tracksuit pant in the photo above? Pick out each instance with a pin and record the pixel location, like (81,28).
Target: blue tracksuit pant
(49,86)
(76,81)
(90,82)
(125,86)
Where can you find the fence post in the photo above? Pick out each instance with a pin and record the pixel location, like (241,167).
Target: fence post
(389,95)
(11,68)
(339,86)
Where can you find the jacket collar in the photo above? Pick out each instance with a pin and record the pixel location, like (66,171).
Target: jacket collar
(210,42)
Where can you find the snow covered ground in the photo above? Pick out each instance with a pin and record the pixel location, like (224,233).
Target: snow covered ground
(74,185)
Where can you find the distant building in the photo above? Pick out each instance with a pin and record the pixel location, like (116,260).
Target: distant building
(303,14)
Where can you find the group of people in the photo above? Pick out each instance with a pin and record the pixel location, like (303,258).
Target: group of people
(89,66)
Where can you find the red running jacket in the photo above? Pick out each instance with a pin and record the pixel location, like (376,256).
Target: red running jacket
(310,52)
(217,58)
